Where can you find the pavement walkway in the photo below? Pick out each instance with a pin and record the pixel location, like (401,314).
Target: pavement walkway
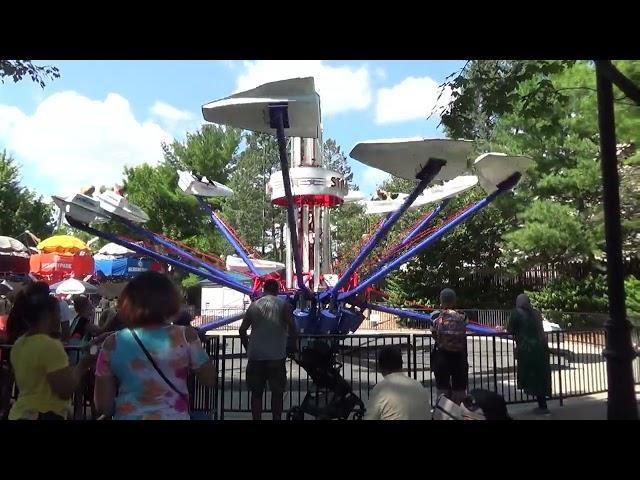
(589,407)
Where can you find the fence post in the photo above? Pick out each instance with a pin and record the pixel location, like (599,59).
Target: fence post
(495,366)
(559,369)
(222,376)
(414,349)
(216,363)
(409,354)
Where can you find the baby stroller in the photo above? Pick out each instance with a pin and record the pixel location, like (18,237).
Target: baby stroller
(332,397)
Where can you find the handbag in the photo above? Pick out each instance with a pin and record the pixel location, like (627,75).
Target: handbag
(164,377)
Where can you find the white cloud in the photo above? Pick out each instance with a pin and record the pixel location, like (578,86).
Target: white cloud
(175,121)
(71,140)
(169,113)
(411,99)
(341,88)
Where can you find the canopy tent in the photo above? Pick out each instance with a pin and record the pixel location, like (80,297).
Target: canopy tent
(126,267)
(14,264)
(56,267)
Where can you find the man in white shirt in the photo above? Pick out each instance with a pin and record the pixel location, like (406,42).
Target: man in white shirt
(397,396)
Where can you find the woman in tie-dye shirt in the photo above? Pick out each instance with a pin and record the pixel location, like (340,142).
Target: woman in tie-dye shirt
(128,387)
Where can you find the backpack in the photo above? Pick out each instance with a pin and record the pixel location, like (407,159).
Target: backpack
(445,409)
(450,328)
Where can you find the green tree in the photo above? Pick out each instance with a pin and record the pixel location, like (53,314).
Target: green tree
(249,210)
(546,110)
(485,90)
(348,219)
(208,152)
(333,158)
(173,213)
(22,209)
(471,250)
(566,174)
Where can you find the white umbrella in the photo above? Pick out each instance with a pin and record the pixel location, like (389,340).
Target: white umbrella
(115,250)
(11,245)
(73,287)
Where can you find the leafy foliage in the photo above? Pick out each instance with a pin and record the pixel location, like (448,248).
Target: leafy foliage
(210,152)
(548,111)
(632,291)
(586,295)
(348,219)
(249,210)
(18,69)
(22,209)
(573,295)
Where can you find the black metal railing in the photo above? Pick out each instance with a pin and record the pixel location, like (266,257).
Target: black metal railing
(356,353)
(81,400)
(578,368)
(205,400)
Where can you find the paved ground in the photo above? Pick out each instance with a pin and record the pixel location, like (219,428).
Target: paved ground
(591,407)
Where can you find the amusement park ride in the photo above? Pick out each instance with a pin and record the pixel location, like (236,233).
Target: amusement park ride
(327,301)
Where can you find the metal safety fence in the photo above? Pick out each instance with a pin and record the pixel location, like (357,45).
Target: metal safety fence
(578,367)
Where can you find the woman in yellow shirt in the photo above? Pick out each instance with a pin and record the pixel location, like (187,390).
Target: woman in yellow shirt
(41,367)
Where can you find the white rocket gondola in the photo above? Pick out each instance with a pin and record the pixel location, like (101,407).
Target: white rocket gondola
(264,267)
(82,208)
(354,196)
(119,206)
(249,110)
(493,168)
(432,194)
(406,157)
(188,183)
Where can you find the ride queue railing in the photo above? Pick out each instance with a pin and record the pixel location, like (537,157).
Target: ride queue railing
(578,368)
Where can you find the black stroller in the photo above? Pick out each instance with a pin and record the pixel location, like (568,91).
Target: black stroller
(333,398)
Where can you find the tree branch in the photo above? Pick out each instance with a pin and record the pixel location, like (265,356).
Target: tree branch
(629,88)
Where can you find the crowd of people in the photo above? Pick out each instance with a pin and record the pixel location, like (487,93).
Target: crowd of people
(137,361)
(134,364)
(400,397)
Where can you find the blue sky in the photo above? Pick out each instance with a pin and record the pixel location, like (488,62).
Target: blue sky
(101,115)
